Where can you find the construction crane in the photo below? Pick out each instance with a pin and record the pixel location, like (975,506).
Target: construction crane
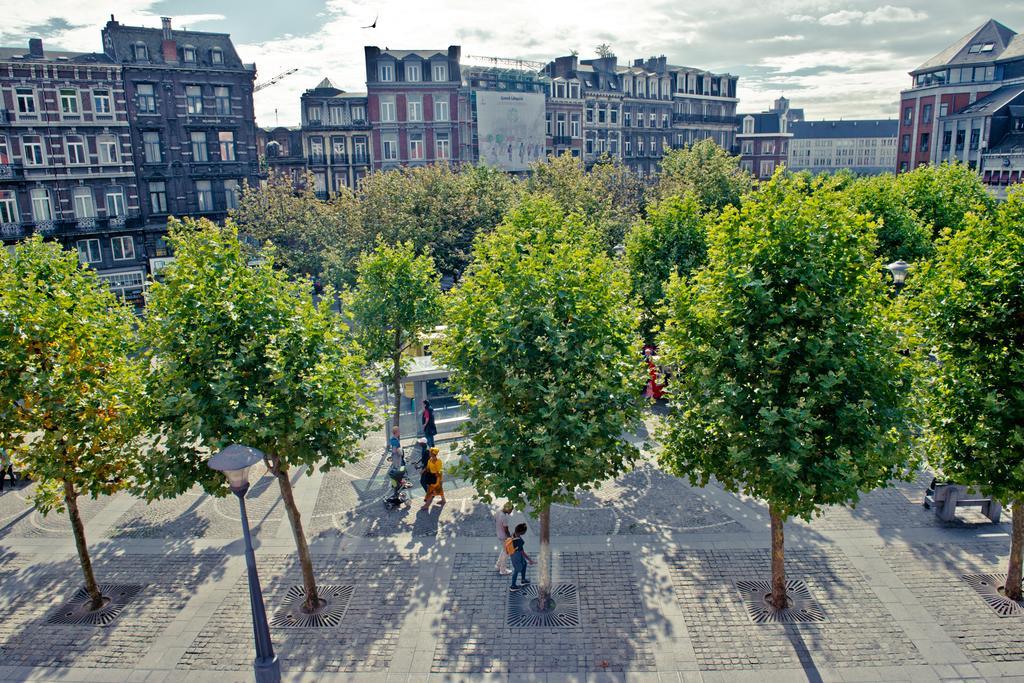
(510,63)
(275,79)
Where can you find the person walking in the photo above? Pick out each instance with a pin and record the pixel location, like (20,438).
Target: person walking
(520,559)
(397,454)
(437,487)
(6,469)
(424,447)
(501,521)
(429,426)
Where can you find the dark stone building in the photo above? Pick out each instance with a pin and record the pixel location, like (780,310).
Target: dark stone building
(193,127)
(335,137)
(280,149)
(762,139)
(66,160)
(564,107)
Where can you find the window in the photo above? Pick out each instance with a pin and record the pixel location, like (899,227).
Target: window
(975,137)
(386,71)
(198,139)
(204,195)
(101,101)
(415,106)
(26,100)
(440,108)
(216,56)
(600,114)
(926,114)
(188,54)
(123,248)
(943,109)
(146,98)
(222,93)
(68,102)
(560,124)
(151,146)
(925,140)
(590,146)
(768,147)
(32,150)
(574,125)
(547,123)
(747,147)
(194,99)
(613,115)
(387,109)
(767,166)
(905,143)
(227,145)
(908,115)
(75,146)
(313,115)
(442,146)
(590,113)
(139,52)
(627,118)
(338,150)
(120,282)
(359,154)
(42,207)
(316,150)
(9,207)
(107,145)
(412,73)
(416,147)
(158,197)
(336,115)
(231,194)
(627,147)
(89,251)
(960,139)
(114,199)
(358,114)
(390,147)
(440,72)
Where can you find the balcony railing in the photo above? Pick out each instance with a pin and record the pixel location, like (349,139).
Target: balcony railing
(561,140)
(360,158)
(12,230)
(702,118)
(11,171)
(338,159)
(318,159)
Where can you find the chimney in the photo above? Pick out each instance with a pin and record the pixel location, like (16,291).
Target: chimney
(168,47)
(35,47)
(165,22)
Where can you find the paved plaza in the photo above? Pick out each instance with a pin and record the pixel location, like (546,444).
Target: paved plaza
(650,567)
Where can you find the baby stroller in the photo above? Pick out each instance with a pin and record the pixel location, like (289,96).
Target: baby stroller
(398,495)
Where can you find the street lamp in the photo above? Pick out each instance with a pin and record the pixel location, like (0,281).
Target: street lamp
(619,250)
(235,461)
(898,269)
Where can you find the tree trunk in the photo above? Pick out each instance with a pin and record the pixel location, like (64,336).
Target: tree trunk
(397,360)
(778,598)
(1013,575)
(305,561)
(544,578)
(71,500)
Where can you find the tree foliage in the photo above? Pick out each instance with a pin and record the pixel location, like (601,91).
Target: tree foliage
(902,235)
(943,195)
(672,239)
(705,170)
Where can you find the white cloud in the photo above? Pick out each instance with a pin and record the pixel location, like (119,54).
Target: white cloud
(779,39)
(882,15)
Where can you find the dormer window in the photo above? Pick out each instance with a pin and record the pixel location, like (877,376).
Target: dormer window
(216,56)
(386,71)
(440,72)
(412,72)
(748,125)
(188,54)
(139,52)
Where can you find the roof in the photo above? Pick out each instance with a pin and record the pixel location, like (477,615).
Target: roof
(21,54)
(986,43)
(1012,143)
(326,84)
(994,101)
(423,54)
(864,128)
(764,122)
(118,39)
(1015,50)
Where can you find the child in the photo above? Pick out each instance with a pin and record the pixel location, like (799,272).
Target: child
(515,547)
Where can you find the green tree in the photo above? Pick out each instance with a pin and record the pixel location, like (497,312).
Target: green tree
(902,235)
(69,384)
(238,353)
(705,170)
(789,384)
(397,298)
(970,306)
(943,195)
(542,345)
(672,239)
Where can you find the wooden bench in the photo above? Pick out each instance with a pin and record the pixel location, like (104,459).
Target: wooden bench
(946,498)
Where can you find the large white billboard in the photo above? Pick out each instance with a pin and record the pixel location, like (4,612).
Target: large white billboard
(510,129)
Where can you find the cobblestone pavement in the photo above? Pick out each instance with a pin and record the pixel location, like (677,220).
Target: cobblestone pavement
(19,519)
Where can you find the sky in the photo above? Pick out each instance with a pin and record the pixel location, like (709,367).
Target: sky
(835,58)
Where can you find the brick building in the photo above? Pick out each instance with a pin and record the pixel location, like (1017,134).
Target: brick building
(564,109)
(193,128)
(762,139)
(866,146)
(66,160)
(335,137)
(413,102)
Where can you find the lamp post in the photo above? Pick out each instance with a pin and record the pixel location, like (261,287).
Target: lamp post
(619,250)
(899,270)
(235,461)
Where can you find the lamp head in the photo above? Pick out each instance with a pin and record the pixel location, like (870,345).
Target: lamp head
(235,461)
(899,271)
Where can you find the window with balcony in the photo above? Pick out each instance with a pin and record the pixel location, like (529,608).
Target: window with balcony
(338,150)
(222,100)
(440,72)
(387,109)
(442,145)
(336,116)
(89,251)
(416,147)
(415,107)
(198,143)
(204,195)
(123,247)
(9,207)
(68,102)
(114,200)
(26,98)
(145,96)
(75,147)
(5,151)
(107,146)
(389,147)
(358,114)
(316,150)
(226,139)
(158,197)
(42,205)
(194,99)
(231,194)
(359,151)
(32,150)
(413,73)
(386,71)
(440,108)
(151,147)
(560,124)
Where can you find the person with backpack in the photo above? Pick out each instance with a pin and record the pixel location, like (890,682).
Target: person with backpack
(429,426)
(516,550)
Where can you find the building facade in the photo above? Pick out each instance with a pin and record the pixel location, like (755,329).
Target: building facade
(67,163)
(1002,163)
(335,137)
(413,106)
(564,110)
(866,146)
(280,150)
(762,139)
(938,119)
(193,133)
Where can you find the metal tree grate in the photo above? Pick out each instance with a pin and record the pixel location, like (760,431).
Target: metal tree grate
(77,610)
(334,601)
(802,608)
(563,608)
(990,587)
